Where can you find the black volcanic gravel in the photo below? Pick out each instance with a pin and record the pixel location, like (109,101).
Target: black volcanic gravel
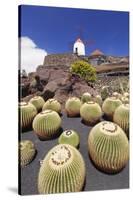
(95,179)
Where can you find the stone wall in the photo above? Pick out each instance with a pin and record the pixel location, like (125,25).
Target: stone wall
(60,60)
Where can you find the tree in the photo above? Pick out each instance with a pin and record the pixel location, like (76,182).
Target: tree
(84,70)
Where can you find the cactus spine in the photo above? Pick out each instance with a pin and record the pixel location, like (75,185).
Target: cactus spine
(62,170)
(27,114)
(26,152)
(38,102)
(72,106)
(86,97)
(98,99)
(46,124)
(52,104)
(69,137)
(121,117)
(109,106)
(108,147)
(90,112)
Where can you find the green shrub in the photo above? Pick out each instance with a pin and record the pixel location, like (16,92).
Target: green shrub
(84,70)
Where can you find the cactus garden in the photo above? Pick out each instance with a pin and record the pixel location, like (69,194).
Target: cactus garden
(77,137)
(74,100)
(64,145)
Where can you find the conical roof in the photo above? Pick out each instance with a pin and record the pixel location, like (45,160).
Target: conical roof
(79,40)
(97,52)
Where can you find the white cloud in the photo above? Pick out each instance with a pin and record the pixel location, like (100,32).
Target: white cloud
(31,56)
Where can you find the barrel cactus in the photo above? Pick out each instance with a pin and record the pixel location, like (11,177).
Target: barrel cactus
(52,104)
(62,170)
(121,117)
(86,97)
(108,147)
(104,92)
(98,99)
(126,94)
(38,102)
(27,114)
(69,137)
(109,106)
(72,106)
(46,124)
(125,100)
(90,112)
(26,152)
(116,94)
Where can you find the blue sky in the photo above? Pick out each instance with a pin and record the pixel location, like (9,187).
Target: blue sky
(53,29)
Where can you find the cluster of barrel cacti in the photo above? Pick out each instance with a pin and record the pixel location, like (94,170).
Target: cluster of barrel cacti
(63,167)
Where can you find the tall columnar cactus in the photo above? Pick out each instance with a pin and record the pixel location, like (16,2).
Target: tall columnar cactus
(90,112)
(98,99)
(108,147)
(38,102)
(62,170)
(121,117)
(52,104)
(46,124)
(86,97)
(109,106)
(69,137)
(72,106)
(26,152)
(27,114)
(104,92)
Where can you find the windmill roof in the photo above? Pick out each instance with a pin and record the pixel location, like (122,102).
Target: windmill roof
(79,40)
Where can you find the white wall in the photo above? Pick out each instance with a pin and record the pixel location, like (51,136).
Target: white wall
(80,48)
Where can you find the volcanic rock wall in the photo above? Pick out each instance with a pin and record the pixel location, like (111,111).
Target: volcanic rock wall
(60,60)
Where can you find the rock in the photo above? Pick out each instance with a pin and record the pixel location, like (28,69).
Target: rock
(49,90)
(81,87)
(24,89)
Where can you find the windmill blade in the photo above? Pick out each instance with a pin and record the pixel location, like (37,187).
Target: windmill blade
(89,42)
(80,29)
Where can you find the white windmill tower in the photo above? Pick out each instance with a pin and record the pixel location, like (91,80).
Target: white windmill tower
(79,47)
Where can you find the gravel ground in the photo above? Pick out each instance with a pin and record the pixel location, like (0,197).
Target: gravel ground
(95,179)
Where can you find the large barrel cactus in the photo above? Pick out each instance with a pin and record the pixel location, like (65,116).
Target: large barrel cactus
(86,97)
(27,114)
(121,117)
(90,112)
(62,170)
(38,102)
(109,106)
(26,152)
(108,147)
(69,137)
(46,124)
(72,106)
(52,104)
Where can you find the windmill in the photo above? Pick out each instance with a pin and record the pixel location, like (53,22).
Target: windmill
(80,39)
